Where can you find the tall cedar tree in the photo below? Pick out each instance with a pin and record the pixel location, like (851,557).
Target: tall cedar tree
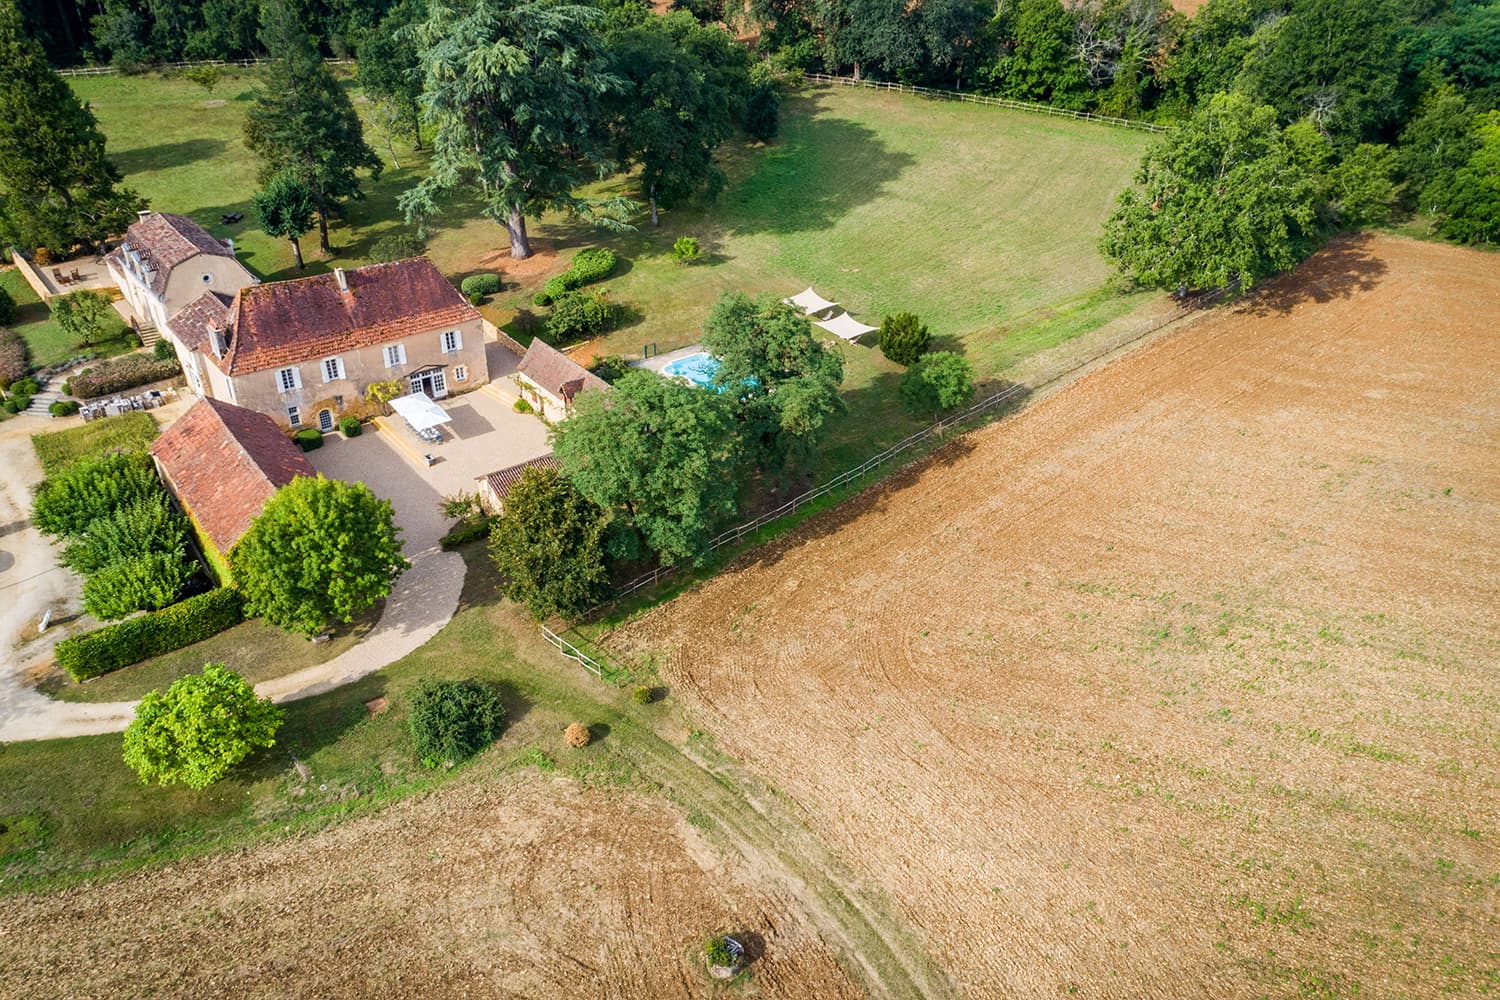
(515,93)
(302,120)
(676,107)
(57,188)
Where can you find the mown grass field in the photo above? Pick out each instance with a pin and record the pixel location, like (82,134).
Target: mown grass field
(982,221)
(46,340)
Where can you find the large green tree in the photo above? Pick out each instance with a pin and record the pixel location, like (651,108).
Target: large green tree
(320,551)
(57,187)
(662,451)
(198,729)
(144,582)
(548,546)
(781,382)
(937,382)
(1469,198)
(85,315)
(515,94)
(1219,199)
(1036,59)
(682,92)
(147,524)
(390,70)
(285,208)
(302,121)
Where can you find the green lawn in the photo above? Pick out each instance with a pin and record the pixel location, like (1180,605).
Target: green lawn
(46,340)
(127,432)
(95,815)
(259,652)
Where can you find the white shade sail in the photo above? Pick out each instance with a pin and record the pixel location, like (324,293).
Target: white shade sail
(810,302)
(846,326)
(420,411)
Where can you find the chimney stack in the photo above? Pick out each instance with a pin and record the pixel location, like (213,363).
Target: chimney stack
(215,339)
(144,213)
(338,273)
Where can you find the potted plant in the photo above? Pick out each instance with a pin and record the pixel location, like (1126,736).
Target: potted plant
(725,956)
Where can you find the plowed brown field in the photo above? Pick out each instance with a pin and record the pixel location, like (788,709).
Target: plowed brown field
(519,888)
(1181,683)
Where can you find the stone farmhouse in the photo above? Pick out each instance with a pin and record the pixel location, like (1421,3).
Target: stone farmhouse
(166,262)
(304,351)
(550,380)
(221,463)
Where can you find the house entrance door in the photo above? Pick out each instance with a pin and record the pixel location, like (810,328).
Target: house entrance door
(432,382)
(325,420)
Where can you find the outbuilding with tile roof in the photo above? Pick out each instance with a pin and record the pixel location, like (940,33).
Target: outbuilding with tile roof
(550,380)
(221,463)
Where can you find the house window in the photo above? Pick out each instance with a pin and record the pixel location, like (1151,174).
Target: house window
(293,417)
(208,279)
(325,420)
(395,355)
(460,373)
(333,369)
(452,341)
(439,386)
(288,379)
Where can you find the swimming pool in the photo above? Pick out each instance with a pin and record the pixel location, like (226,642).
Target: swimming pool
(698,369)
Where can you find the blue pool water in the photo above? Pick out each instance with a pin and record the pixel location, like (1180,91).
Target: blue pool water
(698,369)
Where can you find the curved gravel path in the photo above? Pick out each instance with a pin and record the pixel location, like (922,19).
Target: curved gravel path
(422,601)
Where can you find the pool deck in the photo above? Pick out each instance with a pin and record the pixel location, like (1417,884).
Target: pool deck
(657,362)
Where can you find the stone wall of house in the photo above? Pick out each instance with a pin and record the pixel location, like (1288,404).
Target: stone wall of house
(261,390)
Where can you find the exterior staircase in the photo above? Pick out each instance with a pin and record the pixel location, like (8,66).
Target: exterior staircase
(46,396)
(503,389)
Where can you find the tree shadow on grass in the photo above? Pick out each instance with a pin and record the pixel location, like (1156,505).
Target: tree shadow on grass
(1341,270)
(164,156)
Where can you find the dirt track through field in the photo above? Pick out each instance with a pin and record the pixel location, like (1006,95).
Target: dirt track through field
(523,887)
(1184,681)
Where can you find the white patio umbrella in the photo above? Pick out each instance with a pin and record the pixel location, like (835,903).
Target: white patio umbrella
(420,411)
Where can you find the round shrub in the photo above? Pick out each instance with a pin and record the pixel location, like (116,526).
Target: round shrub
(576,316)
(904,338)
(475,298)
(577,735)
(480,284)
(350,428)
(685,250)
(163,351)
(541,298)
(63,408)
(398,246)
(12,405)
(643,695)
(309,439)
(521,406)
(724,955)
(453,720)
(23,387)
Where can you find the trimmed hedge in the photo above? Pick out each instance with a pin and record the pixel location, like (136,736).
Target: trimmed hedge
(480,284)
(590,265)
(309,439)
(119,374)
(63,408)
(350,428)
(95,653)
(467,533)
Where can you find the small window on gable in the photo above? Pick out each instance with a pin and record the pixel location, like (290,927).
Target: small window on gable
(333,369)
(208,279)
(460,373)
(288,379)
(452,341)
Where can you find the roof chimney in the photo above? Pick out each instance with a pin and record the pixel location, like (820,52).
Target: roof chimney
(338,273)
(144,213)
(215,339)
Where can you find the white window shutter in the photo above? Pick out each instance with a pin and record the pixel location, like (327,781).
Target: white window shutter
(296,378)
(458,340)
(400,354)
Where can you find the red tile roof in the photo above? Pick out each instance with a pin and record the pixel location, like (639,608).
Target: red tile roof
(556,372)
(191,322)
(287,322)
(500,483)
(223,463)
(163,241)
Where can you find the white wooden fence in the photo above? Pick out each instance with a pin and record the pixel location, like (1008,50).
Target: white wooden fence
(164,67)
(578,656)
(994,102)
